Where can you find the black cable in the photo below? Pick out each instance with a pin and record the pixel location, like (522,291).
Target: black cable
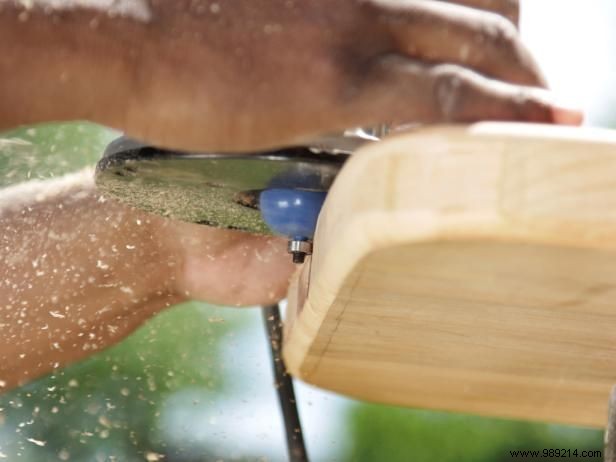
(284,386)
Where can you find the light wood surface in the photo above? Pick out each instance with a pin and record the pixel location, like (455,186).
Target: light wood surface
(470,269)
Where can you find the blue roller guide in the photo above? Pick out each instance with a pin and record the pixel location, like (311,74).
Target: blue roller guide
(291,212)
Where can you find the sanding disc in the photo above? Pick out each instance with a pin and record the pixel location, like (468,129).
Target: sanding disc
(216,189)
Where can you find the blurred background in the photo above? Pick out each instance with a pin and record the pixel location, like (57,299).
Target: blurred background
(195,384)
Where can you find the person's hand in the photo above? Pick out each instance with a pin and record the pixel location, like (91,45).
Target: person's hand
(249,74)
(225,267)
(79,273)
(293,69)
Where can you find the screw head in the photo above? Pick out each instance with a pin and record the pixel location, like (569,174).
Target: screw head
(299,248)
(298,257)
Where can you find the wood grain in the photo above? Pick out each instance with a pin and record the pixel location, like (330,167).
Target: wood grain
(470,269)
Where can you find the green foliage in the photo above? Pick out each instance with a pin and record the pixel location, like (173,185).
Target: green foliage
(403,435)
(48,150)
(108,405)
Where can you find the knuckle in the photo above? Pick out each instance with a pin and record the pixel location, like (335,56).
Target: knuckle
(349,52)
(355,70)
(530,108)
(500,32)
(449,90)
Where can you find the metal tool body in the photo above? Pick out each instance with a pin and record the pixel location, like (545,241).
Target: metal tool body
(220,190)
(273,192)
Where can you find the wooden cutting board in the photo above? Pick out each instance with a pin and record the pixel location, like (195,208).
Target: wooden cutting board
(467,268)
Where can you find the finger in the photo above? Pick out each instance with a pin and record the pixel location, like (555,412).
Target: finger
(409,90)
(509,9)
(229,267)
(443,32)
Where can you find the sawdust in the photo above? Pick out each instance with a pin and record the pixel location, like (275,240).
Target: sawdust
(176,193)
(210,189)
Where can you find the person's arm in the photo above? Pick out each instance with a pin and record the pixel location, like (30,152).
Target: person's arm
(79,273)
(247,74)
